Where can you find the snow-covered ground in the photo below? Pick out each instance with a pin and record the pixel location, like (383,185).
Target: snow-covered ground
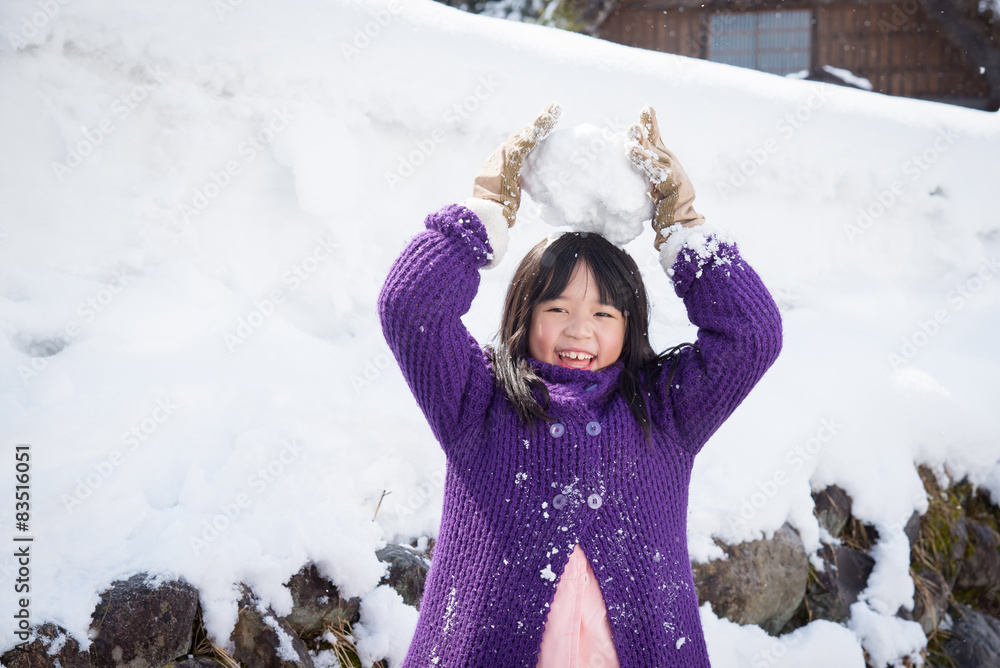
(199,202)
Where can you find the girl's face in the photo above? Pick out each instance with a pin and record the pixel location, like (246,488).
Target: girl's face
(575,330)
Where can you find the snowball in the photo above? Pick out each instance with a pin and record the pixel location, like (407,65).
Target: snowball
(582,178)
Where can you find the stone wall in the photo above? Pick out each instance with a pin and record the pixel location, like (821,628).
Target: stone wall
(955,563)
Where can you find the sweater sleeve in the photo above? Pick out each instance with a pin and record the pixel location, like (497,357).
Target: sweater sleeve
(739,332)
(429,288)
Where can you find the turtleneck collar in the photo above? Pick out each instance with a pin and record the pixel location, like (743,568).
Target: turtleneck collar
(578,379)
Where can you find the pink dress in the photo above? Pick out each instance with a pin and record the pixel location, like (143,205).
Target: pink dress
(577,632)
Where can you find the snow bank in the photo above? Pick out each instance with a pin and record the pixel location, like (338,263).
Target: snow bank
(819,644)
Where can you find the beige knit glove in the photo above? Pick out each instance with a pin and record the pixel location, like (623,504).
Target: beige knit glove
(500,178)
(672,190)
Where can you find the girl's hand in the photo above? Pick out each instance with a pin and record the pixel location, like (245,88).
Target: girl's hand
(500,178)
(671,190)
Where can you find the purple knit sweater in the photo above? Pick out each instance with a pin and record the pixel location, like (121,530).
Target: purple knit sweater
(517,499)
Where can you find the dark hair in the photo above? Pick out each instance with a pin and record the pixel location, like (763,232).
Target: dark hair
(542,275)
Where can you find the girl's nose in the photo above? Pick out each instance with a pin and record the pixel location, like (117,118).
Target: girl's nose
(578,328)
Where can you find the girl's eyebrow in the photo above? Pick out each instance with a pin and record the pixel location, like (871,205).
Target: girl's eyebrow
(552,299)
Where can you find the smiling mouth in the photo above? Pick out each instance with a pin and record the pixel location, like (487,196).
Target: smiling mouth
(575,360)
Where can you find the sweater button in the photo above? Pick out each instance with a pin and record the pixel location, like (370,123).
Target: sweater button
(559,501)
(557,429)
(593,428)
(594,501)
(591,387)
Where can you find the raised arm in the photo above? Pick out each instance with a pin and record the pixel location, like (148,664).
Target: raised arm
(739,333)
(739,326)
(432,283)
(429,288)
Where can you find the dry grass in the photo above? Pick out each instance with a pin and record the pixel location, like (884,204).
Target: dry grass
(858,535)
(202,645)
(344,648)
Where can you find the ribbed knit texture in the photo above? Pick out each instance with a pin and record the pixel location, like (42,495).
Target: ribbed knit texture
(503,543)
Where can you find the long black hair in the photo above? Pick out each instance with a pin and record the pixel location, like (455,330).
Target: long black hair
(542,275)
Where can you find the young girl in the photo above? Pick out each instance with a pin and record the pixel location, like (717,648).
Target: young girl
(570,443)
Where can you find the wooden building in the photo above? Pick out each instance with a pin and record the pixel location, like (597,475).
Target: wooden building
(891,43)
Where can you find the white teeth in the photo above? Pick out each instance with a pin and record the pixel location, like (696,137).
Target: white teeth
(573,355)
